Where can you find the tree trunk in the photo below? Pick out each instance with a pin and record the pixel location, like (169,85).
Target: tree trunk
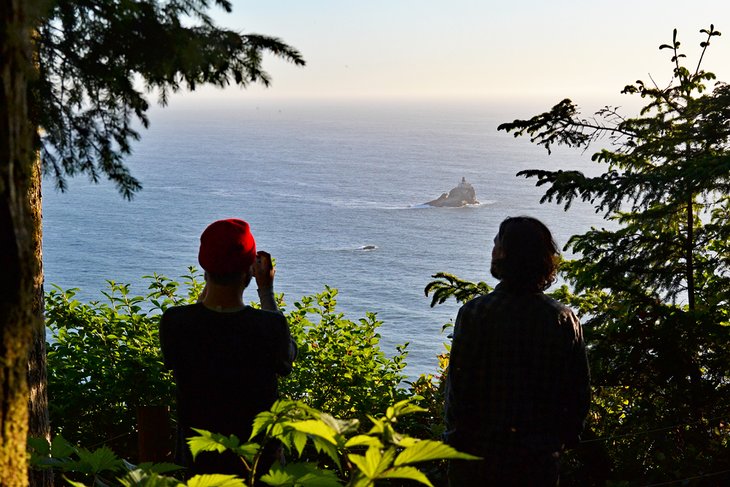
(18,260)
(39,424)
(38,421)
(689,252)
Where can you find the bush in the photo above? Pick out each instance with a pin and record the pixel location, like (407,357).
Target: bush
(381,454)
(341,367)
(104,360)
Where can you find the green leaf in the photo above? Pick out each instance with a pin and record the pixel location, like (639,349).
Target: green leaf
(362,464)
(216,480)
(328,448)
(301,475)
(315,427)
(410,473)
(374,462)
(390,412)
(405,407)
(61,448)
(145,478)
(208,441)
(100,459)
(279,478)
(262,421)
(407,441)
(427,450)
(340,426)
(247,450)
(360,480)
(300,441)
(74,484)
(364,440)
(163,467)
(40,446)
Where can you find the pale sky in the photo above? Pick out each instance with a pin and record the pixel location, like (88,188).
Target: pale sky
(475,48)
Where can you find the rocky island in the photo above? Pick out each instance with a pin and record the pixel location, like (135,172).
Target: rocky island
(461,195)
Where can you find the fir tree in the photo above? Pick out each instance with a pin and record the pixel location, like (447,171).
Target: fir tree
(77,73)
(655,285)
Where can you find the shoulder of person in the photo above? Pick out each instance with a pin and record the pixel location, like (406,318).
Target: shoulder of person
(565,315)
(475,309)
(555,304)
(268,315)
(481,301)
(176,311)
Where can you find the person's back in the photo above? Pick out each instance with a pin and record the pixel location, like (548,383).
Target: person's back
(226,364)
(226,356)
(519,378)
(517,383)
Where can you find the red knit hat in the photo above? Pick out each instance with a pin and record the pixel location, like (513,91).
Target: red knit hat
(227,246)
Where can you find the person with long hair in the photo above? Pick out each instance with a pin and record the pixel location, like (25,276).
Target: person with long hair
(517,386)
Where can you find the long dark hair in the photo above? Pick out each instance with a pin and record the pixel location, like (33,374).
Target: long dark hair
(528,256)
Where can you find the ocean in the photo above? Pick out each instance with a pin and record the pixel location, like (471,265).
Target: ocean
(318,182)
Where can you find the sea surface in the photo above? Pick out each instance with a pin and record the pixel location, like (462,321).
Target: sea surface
(318,182)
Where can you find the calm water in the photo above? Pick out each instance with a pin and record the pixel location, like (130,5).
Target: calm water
(316,183)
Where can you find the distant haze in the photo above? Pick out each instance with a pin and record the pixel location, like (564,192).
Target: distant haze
(519,49)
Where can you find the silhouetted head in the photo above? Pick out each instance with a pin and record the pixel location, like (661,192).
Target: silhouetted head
(525,256)
(227,251)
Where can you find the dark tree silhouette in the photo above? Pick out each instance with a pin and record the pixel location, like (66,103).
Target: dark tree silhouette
(76,75)
(653,288)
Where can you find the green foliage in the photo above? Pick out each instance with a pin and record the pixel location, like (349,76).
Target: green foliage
(79,466)
(428,391)
(97,59)
(341,367)
(360,459)
(104,361)
(653,289)
(354,459)
(445,286)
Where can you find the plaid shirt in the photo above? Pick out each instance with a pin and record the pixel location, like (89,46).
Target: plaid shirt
(518,374)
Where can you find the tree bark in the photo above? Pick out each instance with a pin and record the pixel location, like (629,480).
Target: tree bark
(38,420)
(39,424)
(689,252)
(18,261)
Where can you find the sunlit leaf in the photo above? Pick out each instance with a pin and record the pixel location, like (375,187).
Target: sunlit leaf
(427,450)
(315,427)
(410,473)
(363,440)
(328,448)
(216,480)
(362,463)
(301,475)
(262,421)
(207,441)
(341,426)
(405,407)
(74,483)
(300,441)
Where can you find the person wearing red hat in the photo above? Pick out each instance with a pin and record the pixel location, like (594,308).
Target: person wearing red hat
(226,356)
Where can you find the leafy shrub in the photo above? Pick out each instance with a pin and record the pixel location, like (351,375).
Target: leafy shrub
(341,367)
(104,360)
(356,460)
(100,467)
